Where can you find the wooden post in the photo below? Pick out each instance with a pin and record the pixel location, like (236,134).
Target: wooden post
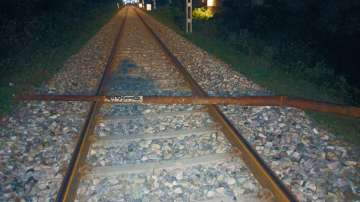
(188,16)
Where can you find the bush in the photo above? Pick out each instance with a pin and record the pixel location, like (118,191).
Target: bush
(36,37)
(308,36)
(25,22)
(202,13)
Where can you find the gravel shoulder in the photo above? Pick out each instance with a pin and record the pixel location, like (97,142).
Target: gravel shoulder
(311,161)
(158,152)
(37,138)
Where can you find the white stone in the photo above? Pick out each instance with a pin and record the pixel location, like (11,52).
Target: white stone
(220,190)
(178,190)
(231,181)
(155,147)
(210,194)
(179,176)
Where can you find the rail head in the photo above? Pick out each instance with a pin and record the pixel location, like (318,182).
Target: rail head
(261,171)
(68,189)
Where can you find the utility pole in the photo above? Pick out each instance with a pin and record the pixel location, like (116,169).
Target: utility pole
(188,16)
(154,6)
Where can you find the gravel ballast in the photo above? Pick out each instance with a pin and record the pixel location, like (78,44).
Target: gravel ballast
(38,138)
(311,161)
(159,152)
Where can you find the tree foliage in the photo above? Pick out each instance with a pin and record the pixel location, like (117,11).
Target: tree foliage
(25,21)
(301,33)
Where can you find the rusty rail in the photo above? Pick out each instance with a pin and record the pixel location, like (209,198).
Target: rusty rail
(281,101)
(67,191)
(257,166)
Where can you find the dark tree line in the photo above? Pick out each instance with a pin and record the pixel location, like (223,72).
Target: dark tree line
(305,31)
(25,21)
(314,36)
(332,27)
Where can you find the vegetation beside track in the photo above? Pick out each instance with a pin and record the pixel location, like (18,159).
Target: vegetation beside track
(37,37)
(261,69)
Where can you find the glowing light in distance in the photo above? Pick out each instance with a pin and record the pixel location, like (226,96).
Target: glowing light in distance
(211,2)
(148,7)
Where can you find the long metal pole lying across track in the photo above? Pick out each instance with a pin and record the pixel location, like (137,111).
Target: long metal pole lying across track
(281,101)
(257,166)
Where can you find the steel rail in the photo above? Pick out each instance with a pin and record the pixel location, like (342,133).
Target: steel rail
(70,182)
(280,101)
(257,166)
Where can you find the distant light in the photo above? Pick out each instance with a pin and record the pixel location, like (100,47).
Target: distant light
(148,7)
(140,5)
(211,3)
(130,1)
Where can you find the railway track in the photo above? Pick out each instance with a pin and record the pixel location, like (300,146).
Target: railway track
(143,152)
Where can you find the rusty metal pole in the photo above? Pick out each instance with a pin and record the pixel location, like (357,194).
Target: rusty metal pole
(188,16)
(279,101)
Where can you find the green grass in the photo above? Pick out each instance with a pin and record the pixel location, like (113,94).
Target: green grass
(260,70)
(38,61)
(347,128)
